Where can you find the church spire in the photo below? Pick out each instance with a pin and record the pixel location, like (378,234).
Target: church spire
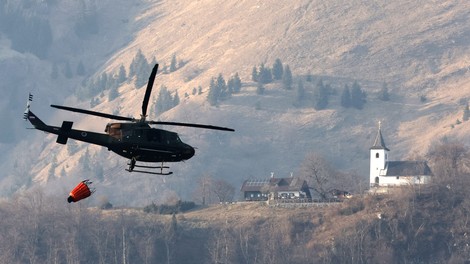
(379,142)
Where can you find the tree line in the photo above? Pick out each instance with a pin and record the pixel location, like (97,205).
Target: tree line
(413,224)
(305,93)
(28,30)
(26,24)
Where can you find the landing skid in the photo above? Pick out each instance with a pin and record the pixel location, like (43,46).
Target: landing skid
(132,164)
(151,172)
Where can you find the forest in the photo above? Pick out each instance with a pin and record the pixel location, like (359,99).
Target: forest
(413,224)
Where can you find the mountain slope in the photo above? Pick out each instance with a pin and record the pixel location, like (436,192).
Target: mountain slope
(418,49)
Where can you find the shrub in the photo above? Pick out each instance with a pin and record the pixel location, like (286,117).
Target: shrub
(180,206)
(352,207)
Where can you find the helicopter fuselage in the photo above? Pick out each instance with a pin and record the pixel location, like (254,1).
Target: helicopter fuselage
(130,140)
(147,144)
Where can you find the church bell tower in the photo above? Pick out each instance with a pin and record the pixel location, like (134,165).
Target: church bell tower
(378,159)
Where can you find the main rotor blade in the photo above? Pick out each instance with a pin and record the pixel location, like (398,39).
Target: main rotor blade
(145,102)
(190,125)
(88,112)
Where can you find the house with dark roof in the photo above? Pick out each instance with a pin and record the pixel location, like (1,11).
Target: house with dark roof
(385,173)
(275,188)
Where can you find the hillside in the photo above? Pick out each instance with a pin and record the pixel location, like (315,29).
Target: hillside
(425,226)
(416,49)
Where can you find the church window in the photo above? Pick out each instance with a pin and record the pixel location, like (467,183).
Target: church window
(377,155)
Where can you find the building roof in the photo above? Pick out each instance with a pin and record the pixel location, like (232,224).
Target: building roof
(379,142)
(408,168)
(276,184)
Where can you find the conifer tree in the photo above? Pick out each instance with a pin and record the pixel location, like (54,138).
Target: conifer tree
(137,63)
(121,75)
(254,74)
(346,97)
(176,99)
(222,87)
(52,168)
(173,63)
(358,96)
(278,69)
(320,96)
(264,74)
(466,113)
(72,147)
(103,82)
(214,92)
(234,84)
(383,94)
(132,68)
(84,161)
(299,93)
(164,101)
(287,78)
(87,22)
(113,93)
(230,88)
(260,88)
(142,72)
(80,69)
(237,83)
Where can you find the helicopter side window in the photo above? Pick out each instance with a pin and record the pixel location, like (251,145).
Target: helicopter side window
(167,138)
(127,133)
(173,138)
(154,135)
(114,130)
(138,133)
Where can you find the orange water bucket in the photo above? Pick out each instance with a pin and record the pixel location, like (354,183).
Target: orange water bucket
(81,191)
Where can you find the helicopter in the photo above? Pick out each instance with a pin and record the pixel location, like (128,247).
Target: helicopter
(134,139)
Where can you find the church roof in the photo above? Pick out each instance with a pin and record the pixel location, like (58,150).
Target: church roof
(408,168)
(379,142)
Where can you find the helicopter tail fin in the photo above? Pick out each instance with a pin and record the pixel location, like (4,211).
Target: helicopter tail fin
(35,121)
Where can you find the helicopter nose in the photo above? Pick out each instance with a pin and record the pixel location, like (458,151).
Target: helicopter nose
(188,152)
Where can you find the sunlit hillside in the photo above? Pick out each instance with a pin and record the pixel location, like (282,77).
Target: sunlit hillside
(418,49)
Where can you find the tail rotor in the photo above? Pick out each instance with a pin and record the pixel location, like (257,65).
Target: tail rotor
(28,107)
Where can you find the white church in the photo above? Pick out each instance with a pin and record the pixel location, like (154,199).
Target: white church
(385,173)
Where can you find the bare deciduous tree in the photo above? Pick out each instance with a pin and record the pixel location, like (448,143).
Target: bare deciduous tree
(318,174)
(203,191)
(223,190)
(170,238)
(447,159)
